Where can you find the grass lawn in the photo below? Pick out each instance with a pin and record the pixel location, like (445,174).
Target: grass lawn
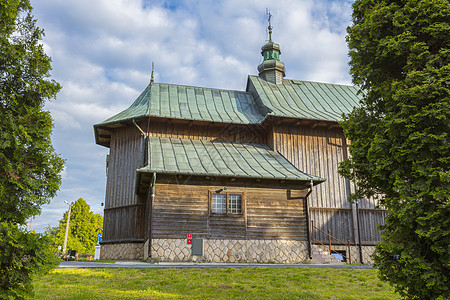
(248,283)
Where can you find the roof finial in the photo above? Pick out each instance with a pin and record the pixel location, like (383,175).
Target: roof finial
(269,16)
(153,70)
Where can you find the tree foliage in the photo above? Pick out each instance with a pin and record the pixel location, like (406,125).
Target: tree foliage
(23,255)
(29,168)
(83,229)
(399,136)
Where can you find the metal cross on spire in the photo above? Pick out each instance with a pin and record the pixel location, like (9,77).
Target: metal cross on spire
(153,69)
(269,16)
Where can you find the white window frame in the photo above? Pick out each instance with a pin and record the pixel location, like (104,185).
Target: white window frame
(229,209)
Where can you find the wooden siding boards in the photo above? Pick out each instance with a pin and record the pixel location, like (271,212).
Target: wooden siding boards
(319,151)
(125,156)
(267,214)
(124,223)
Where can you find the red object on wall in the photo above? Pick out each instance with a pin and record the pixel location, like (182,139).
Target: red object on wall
(189,241)
(189,238)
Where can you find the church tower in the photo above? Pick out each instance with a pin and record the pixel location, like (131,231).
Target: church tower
(271,69)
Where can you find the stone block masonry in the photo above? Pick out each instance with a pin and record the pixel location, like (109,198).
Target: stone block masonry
(233,251)
(123,251)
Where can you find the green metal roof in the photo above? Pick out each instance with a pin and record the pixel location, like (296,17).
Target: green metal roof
(214,158)
(303,99)
(292,99)
(192,103)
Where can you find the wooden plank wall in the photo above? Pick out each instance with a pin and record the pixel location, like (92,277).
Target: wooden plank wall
(368,221)
(124,223)
(338,221)
(273,215)
(318,151)
(125,156)
(221,132)
(179,210)
(183,209)
(123,215)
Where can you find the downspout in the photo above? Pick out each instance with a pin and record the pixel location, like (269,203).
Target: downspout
(359,233)
(152,200)
(144,135)
(308,235)
(144,145)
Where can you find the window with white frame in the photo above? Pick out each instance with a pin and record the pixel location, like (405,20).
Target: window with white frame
(219,203)
(234,203)
(226,203)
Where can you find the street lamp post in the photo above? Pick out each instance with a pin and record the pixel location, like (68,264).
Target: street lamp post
(67,226)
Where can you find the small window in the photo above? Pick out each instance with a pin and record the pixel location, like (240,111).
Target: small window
(219,203)
(226,203)
(235,203)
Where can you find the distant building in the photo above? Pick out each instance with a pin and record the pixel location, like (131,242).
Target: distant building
(240,173)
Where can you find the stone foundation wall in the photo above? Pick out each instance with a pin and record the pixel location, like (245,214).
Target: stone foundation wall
(354,252)
(125,251)
(367,251)
(215,250)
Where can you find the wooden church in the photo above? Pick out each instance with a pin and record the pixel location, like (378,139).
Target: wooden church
(204,174)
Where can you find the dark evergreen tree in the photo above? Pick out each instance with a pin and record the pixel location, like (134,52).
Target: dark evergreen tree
(400,152)
(29,167)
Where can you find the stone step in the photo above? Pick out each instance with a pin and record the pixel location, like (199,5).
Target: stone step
(320,256)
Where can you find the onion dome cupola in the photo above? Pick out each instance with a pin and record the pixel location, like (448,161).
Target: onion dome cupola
(271,69)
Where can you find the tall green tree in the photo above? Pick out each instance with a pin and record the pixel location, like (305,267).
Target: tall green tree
(84,226)
(29,167)
(400,151)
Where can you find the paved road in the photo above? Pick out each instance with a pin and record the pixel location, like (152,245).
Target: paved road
(143,265)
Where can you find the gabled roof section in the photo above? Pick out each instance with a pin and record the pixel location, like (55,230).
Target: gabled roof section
(221,159)
(303,99)
(191,103)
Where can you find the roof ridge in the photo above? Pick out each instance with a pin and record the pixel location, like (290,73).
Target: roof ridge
(202,87)
(310,81)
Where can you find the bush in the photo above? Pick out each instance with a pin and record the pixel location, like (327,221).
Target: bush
(23,255)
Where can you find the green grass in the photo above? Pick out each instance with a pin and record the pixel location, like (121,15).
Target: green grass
(249,283)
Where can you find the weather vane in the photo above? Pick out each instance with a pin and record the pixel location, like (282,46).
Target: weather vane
(153,69)
(269,16)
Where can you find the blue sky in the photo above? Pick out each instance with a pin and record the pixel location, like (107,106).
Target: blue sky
(102,52)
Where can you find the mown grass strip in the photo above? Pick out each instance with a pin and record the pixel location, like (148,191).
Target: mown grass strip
(249,283)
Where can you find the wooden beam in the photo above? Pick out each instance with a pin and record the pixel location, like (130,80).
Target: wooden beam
(331,126)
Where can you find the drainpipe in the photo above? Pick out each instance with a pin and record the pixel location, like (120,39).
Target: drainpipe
(308,235)
(145,136)
(144,154)
(151,202)
(359,233)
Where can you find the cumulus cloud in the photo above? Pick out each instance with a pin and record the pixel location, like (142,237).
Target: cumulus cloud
(102,53)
